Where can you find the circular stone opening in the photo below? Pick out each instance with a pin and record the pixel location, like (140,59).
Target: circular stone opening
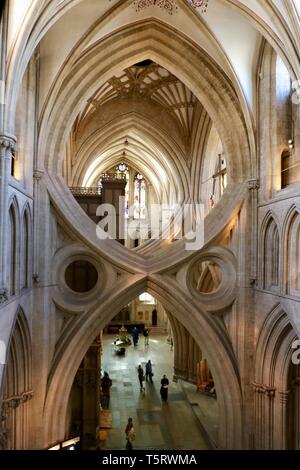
(207,277)
(81,276)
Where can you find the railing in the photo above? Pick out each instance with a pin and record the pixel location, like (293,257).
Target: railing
(82,191)
(112,177)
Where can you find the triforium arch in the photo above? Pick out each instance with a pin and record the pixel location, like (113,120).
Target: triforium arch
(217,350)
(274,386)
(270,252)
(17,388)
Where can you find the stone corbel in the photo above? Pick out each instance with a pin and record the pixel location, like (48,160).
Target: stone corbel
(16,401)
(7,143)
(38,175)
(253,183)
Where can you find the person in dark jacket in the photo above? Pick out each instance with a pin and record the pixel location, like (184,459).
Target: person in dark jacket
(130,434)
(149,372)
(141,377)
(135,336)
(164,388)
(106,383)
(146,336)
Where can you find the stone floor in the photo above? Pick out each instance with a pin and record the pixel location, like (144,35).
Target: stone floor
(169,426)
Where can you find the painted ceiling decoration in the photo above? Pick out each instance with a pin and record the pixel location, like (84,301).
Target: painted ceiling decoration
(148,80)
(169,6)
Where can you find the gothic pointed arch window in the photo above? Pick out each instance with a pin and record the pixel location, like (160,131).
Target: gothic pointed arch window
(135,190)
(139,197)
(17,393)
(271,255)
(285,168)
(123,169)
(25,252)
(293,257)
(12,252)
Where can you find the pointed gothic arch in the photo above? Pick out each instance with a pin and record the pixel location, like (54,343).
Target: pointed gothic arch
(291,240)
(13,247)
(26,249)
(77,340)
(17,387)
(275,383)
(270,253)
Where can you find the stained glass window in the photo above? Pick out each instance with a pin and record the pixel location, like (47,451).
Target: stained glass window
(100,185)
(127,195)
(139,197)
(137,192)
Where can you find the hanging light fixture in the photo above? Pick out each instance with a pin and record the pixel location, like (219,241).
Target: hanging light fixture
(122,167)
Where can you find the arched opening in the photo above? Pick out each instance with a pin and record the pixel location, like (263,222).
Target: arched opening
(76,342)
(293,408)
(285,168)
(122,350)
(286,117)
(270,259)
(150,156)
(276,388)
(101,73)
(12,251)
(293,253)
(25,266)
(15,413)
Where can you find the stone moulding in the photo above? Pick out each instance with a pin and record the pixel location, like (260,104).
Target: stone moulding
(15,401)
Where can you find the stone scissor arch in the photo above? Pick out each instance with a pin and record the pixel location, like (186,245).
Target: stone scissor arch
(131,44)
(215,346)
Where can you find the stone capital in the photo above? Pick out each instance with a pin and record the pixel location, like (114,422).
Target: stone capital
(264,389)
(38,174)
(8,142)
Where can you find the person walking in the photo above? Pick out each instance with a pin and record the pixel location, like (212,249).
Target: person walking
(149,373)
(130,434)
(135,336)
(106,383)
(146,336)
(164,388)
(141,377)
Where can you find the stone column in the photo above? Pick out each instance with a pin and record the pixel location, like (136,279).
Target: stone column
(37,176)
(283,397)
(7,148)
(85,396)
(269,393)
(263,416)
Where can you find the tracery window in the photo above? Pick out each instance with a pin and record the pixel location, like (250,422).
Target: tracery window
(139,197)
(135,189)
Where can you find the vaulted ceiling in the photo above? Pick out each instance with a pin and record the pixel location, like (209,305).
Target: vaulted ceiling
(147,81)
